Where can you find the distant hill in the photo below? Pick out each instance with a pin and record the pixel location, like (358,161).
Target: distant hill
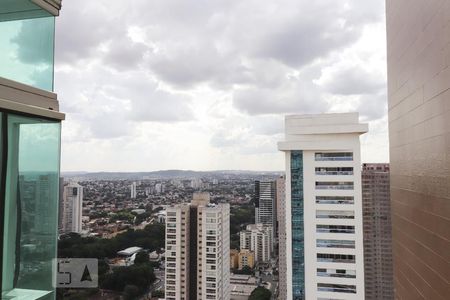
(169,174)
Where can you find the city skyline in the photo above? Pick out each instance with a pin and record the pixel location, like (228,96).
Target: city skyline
(166,85)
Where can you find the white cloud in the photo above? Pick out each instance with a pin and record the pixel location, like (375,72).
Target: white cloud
(204,85)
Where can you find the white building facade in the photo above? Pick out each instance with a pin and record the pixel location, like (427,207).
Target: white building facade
(324,232)
(72,210)
(198,250)
(213,254)
(133,190)
(258,238)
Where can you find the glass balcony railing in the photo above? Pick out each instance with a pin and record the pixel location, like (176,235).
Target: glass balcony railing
(27,44)
(30,206)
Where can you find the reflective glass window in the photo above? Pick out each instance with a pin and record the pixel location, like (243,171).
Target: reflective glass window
(26,44)
(30,200)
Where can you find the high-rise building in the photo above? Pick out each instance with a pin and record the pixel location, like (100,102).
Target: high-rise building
(198,250)
(265,205)
(72,213)
(133,191)
(30,124)
(281,236)
(419,140)
(257,238)
(159,188)
(324,230)
(377,232)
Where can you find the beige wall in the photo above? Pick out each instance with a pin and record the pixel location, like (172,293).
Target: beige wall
(418,54)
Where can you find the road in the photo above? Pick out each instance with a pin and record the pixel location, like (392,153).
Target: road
(273,282)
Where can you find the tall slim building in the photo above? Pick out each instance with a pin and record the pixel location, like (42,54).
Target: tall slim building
(377,232)
(133,190)
(281,236)
(72,208)
(265,205)
(323,206)
(30,125)
(198,250)
(419,139)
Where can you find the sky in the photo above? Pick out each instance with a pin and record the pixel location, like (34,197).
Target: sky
(205,84)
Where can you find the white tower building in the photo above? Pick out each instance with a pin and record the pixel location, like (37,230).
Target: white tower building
(324,231)
(133,190)
(198,250)
(72,208)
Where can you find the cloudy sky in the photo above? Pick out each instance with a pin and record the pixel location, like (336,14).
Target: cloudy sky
(205,84)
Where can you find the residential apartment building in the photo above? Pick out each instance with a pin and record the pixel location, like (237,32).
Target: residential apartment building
(72,211)
(258,238)
(198,250)
(281,229)
(266,205)
(324,229)
(246,258)
(419,129)
(30,125)
(133,190)
(377,232)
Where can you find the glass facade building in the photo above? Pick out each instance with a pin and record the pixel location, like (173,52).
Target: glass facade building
(30,130)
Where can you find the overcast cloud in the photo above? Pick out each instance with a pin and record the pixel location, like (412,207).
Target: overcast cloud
(205,84)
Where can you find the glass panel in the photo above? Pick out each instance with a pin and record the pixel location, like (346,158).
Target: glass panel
(335,214)
(334,171)
(336,288)
(298,252)
(31,207)
(339,185)
(26,48)
(334,200)
(334,156)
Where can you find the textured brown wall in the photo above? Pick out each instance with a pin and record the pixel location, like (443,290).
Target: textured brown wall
(418,54)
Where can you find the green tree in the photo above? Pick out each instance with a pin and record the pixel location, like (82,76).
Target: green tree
(140,275)
(260,293)
(131,292)
(141,258)
(245,271)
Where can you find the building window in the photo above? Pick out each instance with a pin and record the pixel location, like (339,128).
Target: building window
(334,185)
(334,171)
(335,229)
(27,48)
(339,273)
(335,258)
(335,200)
(338,288)
(333,156)
(29,201)
(335,214)
(322,243)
